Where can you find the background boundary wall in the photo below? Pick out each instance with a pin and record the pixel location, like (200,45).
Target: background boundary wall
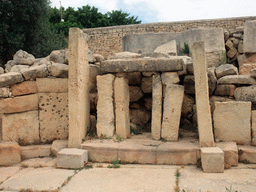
(108,40)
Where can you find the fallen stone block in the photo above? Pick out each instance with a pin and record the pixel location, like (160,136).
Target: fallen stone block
(10,78)
(250,37)
(168,48)
(59,56)
(246,94)
(24,88)
(237,79)
(225,90)
(232,121)
(247,154)
(58,70)
(17,68)
(10,153)
(225,70)
(52,85)
(35,72)
(58,145)
(72,158)
(35,151)
(212,159)
(230,150)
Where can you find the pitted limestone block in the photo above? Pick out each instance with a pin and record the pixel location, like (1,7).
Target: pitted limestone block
(53,116)
(72,158)
(52,85)
(24,88)
(232,121)
(10,153)
(21,127)
(250,37)
(212,159)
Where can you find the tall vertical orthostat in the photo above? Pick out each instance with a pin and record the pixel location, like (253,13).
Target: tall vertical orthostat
(78,89)
(202,95)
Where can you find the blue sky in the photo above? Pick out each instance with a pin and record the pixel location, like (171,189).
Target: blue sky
(169,10)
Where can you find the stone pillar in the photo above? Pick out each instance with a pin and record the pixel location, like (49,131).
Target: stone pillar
(156,119)
(202,95)
(78,92)
(105,106)
(122,98)
(172,111)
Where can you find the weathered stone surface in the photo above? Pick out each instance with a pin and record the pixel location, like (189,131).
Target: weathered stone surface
(232,121)
(250,37)
(253,73)
(229,44)
(225,70)
(246,59)
(174,63)
(225,90)
(230,150)
(235,41)
(190,68)
(5,92)
(121,95)
(212,160)
(246,94)
(148,103)
(24,88)
(10,153)
(21,127)
(10,78)
(187,105)
(7,172)
(9,65)
(72,158)
(52,85)
(40,162)
(58,145)
(19,104)
(98,57)
(58,70)
(246,68)
(214,99)
(241,60)
(168,48)
(148,74)
(17,68)
(202,95)
(189,84)
(22,57)
(135,93)
(172,111)
(35,151)
(156,119)
(212,80)
(139,116)
(93,102)
(170,78)
(134,78)
(125,55)
(241,47)
(53,116)
(94,71)
(105,106)
(254,127)
(35,72)
(247,154)
(42,61)
(232,52)
(146,84)
(91,58)
(237,79)
(59,56)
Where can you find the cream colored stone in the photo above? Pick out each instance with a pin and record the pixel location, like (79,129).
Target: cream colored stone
(121,95)
(35,151)
(230,150)
(24,88)
(78,89)
(52,85)
(57,145)
(202,95)
(232,121)
(10,153)
(105,107)
(94,71)
(247,154)
(212,159)
(254,127)
(249,36)
(172,112)
(53,116)
(169,78)
(21,127)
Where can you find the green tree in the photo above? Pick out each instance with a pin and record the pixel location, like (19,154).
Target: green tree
(121,18)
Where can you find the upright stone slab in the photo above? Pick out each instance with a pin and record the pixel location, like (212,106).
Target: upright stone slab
(105,107)
(202,95)
(172,111)
(254,127)
(121,91)
(250,37)
(156,119)
(78,89)
(232,121)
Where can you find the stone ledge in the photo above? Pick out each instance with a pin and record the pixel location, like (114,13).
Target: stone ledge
(247,154)
(35,151)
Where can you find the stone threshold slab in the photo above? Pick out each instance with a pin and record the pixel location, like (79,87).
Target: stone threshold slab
(174,63)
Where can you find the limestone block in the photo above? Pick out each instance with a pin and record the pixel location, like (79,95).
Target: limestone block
(10,153)
(52,85)
(246,68)
(53,116)
(135,93)
(250,37)
(148,103)
(94,71)
(225,90)
(17,68)
(253,72)
(146,84)
(9,65)
(214,99)
(232,121)
(172,111)
(237,79)
(230,150)
(212,159)
(5,92)
(72,158)
(35,72)
(232,52)
(212,80)
(139,116)
(229,44)
(121,95)
(156,119)
(241,47)
(105,107)
(254,127)
(35,151)
(170,78)
(168,48)
(247,154)
(225,70)
(22,57)
(10,78)
(148,74)
(98,57)
(235,41)
(59,56)
(24,88)
(93,101)
(58,70)
(6,173)
(21,127)
(134,78)
(125,55)
(187,105)
(19,104)
(246,59)
(1,70)
(246,94)
(190,68)
(58,145)
(189,84)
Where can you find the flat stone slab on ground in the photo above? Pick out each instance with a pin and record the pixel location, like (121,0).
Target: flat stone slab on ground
(6,172)
(39,162)
(41,179)
(174,63)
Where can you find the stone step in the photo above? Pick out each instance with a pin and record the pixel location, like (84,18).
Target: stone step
(247,154)
(35,151)
(10,153)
